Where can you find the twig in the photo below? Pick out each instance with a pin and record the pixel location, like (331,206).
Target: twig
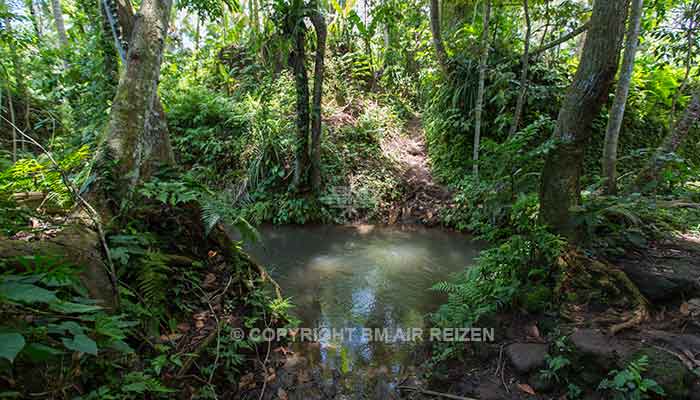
(433,393)
(264,363)
(500,358)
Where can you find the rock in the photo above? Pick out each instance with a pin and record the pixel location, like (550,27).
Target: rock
(666,370)
(492,391)
(664,278)
(593,343)
(525,357)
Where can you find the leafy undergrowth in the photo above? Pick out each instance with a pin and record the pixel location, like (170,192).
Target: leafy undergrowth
(243,146)
(523,270)
(186,291)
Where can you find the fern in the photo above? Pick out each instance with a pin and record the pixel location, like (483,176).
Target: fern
(152,278)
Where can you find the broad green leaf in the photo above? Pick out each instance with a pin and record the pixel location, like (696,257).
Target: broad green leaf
(71,326)
(26,293)
(68,307)
(10,345)
(40,352)
(82,344)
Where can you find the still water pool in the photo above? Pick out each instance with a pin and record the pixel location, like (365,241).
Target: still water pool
(350,278)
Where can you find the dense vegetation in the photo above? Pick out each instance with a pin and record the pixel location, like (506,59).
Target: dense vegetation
(565,134)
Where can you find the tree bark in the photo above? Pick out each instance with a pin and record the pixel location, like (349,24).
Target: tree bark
(60,26)
(321,33)
(301,78)
(560,182)
(671,144)
(134,133)
(617,112)
(523,73)
(11,109)
(478,110)
(435,28)
(159,145)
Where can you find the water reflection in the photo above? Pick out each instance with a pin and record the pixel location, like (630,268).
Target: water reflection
(361,277)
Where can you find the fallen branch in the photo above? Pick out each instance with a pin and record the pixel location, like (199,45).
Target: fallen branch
(433,393)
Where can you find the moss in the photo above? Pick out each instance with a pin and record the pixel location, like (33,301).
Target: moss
(537,299)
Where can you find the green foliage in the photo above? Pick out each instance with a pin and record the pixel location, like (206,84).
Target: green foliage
(501,278)
(505,196)
(629,384)
(614,223)
(40,175)
(49,315)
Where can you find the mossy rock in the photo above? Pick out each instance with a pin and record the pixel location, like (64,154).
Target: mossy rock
(667,371)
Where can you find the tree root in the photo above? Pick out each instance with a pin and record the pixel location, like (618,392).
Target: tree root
(583,274)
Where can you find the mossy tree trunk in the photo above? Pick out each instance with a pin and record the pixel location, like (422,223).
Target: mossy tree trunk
(136,141)
(560,182)
(483,66)
(301,79)
(321,32)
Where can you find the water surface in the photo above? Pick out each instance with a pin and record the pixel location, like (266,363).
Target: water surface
(362,277)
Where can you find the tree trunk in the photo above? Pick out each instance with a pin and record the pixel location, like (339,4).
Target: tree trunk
(60,26)
(523,73)
(617,112)
(321,33)
(134,131)
(560,186)
(124,30)
(435,28)
(35,18)
(298,56)
(11,109)
(671,144)
(478,110)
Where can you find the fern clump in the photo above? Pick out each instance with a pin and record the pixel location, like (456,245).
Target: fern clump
(503,276)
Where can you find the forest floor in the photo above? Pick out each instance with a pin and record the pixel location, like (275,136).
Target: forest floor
(424,198)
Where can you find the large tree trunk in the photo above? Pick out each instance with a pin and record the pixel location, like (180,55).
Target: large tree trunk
(523,72)
(136,139)
(478,110)
(435,28)
(560,186)
(321,33)
(649,175)
(301,78)
(617,112)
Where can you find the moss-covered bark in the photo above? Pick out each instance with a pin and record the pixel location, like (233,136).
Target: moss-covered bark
(136,138)
(560,186)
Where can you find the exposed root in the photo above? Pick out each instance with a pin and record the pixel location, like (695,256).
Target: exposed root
(586,279)
(640,315)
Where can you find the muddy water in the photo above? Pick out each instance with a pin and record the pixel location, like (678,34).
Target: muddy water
(350,278)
